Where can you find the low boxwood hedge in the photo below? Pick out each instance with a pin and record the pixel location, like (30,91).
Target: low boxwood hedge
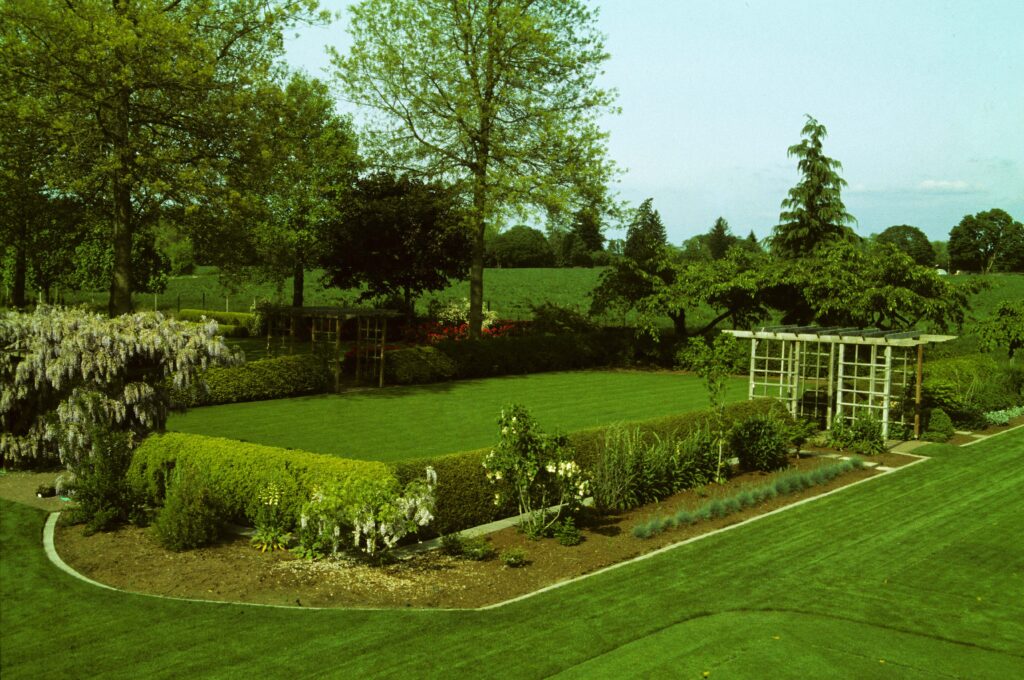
(417,365)
(276,378)
(465,498)
(243,319)
(236,471)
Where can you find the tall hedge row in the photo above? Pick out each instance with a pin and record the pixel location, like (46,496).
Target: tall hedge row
(465,498)
(237,471)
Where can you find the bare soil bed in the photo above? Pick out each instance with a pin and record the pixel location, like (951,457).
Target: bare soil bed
(232,570)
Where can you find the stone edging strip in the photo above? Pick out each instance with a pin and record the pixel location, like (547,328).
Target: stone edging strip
(981,438)
(51,553)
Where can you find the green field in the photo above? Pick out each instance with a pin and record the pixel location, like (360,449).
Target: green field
(408,422)
(919,574)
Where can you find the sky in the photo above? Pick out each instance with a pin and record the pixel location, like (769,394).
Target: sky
(923,103)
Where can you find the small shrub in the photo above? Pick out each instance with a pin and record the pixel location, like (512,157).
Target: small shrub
(716,508)
(732,505)
(475,548)
(940,427)
(566,532)
(189,518)
(839,436)
(759,443)
(746,499)
(867,436)
(103,494)
(513,557)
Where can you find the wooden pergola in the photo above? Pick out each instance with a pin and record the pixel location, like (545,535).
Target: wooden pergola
(839,372)
(324,325)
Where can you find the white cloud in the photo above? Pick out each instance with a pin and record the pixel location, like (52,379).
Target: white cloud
(945,186)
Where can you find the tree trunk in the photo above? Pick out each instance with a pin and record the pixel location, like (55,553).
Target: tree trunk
(679,323)
(476,265)
(298,284)
(121,283)
(410,309)
(20,268)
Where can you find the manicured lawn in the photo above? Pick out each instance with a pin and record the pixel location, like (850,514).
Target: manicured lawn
(406,422)
(916,575)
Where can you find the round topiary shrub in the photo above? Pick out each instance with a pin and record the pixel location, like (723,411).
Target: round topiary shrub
(940,426)
(760,443)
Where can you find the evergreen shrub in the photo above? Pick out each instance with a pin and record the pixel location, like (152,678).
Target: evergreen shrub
(940,427)
(190,517)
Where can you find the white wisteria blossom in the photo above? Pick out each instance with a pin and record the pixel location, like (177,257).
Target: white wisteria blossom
(64,371)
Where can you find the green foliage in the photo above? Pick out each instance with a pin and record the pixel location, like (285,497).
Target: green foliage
(986,242)
(760,443)
(286,376)
(237,472)
(839,436)
(513,557)
(1004,416)
(553,319)
(525,135)
(535,469)
(520,246)
(269,520)
(103,497)
(417,365)
(940,427)
(476,548)
(718,508)
(566,532)
(238,321)
(969,386)
(713,363)
(190,517)
(813,213)
(910,241)
(1005,330)
(866,432)
(396,236)
(720,239)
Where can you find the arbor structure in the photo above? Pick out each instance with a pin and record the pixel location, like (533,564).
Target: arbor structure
(911,241)
(396,236)
(987,241)
(142,100)
(813,212)
(497,95)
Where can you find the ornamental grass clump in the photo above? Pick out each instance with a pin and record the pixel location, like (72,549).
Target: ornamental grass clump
(536,470)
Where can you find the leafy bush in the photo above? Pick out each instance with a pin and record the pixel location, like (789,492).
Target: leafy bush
(104,497)
(967,387)
(190,517)
(417,365)
(287,376)
(760,443)
(866,433)
(566,532)
(513,557)
(237,472)
(476,548)
(270,522)
(940,427)
(552,319)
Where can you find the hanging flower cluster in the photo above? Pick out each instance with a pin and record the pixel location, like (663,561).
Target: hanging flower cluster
(64,371)
(536,469)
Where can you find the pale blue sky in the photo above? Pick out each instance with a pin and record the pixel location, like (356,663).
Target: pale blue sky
(923,101)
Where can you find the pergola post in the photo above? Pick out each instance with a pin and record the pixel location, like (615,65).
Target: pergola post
(917,392)
(839,384)
(887,392)
(753,360)
(794,383)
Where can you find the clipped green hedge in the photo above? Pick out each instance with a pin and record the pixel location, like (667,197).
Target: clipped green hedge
(236,471)
(465,498)
(276,378)
(510,355)
(416,365)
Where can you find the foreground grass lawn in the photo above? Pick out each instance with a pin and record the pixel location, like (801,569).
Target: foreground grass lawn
(407,422)
(919,574)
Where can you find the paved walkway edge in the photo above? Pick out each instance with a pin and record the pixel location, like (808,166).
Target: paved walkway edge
(51,553)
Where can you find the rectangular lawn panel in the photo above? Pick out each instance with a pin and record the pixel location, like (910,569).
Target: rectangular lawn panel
(408,422)
(918,574)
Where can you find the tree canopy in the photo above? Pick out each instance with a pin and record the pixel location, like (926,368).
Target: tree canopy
(397,236)
(986,242)
(498,95)
(521,246)
(141,100)
(910,240)
(813,213)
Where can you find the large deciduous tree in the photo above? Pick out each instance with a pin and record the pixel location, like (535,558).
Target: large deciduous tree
(396,236)
(911,241)
(986,242)
(813,213)
(142,99)
(498,95)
